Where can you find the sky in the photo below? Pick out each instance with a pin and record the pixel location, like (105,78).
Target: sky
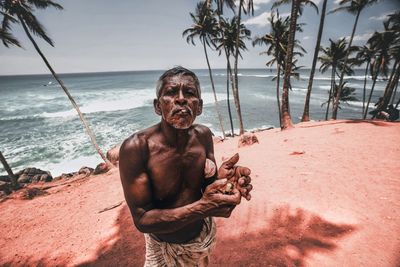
(124,35)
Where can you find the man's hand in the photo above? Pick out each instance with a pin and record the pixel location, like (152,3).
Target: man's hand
(237,175)
(219,204)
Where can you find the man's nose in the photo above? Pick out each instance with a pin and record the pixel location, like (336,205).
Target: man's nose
(180,99)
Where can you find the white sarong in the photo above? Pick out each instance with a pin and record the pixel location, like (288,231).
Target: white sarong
(196,252)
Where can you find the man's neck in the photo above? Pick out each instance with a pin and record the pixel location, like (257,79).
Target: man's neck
(175,137)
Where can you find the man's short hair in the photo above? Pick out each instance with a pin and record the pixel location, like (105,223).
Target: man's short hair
(177,71)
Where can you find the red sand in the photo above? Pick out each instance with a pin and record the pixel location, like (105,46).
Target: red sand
(335,201)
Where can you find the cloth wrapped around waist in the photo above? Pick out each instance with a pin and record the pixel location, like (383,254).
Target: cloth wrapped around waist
(193,253)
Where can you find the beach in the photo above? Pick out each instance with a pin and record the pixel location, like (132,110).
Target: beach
(326,193)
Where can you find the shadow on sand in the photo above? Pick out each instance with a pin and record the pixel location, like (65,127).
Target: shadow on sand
(332,122)
(286,241)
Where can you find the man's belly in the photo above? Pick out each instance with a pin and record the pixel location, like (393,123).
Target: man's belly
(183,235)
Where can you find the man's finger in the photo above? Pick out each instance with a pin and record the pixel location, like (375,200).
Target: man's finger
(242,171)
(218,183)
(231,162)
(244,180)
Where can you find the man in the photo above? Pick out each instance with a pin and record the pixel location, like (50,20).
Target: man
(164,172)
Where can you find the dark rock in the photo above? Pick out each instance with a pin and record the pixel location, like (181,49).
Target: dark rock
(30,193)
(113,154)
(86,171)
(66,176)
(247,139)
(5,187)
(33,175)
(101,168)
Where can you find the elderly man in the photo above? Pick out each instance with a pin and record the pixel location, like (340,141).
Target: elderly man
(170,181)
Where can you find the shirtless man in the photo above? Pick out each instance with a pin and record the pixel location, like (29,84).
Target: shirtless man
(165,181)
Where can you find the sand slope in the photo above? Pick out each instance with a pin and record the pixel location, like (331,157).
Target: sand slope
(325,194)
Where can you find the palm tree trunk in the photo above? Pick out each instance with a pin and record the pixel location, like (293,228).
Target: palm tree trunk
(235,71)
(339,91)
(364,89)
(227,95)
(213,88)
(278,102)
(85,124)
(395,81)
(306,113)
(286,119)
(10,173)
(371,92)
(330,91)
(389,89)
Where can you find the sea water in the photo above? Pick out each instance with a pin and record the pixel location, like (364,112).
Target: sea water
(39,127)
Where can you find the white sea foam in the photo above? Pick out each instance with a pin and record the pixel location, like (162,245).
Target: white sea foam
(133,99)
(72,165)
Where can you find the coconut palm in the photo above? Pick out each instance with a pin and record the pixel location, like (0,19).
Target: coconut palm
(205,28)
(247,8)
(296,9)
(306,112)
(21,11)
(347,94)
(365,55)
(381,42)
(332,57)
(354,7)
(226,41)
(276,42)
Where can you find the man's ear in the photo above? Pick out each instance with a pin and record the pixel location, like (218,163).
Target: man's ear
(200,108)
(156,105)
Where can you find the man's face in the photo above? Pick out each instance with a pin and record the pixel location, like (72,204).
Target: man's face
(179,102)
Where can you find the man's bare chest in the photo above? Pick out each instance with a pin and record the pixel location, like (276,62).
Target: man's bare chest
(176,173)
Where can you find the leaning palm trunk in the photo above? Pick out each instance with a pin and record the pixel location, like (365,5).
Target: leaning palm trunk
(395,81)
(371,92)
(286,119)
(235,70)
(330,92)
(86,125)
(213,88)
(278,102)
(389,89)
(228,71)
(10,173)
(306,112)
(365,88)
(339,91)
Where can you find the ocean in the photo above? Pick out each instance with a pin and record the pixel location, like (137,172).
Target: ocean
(39,127)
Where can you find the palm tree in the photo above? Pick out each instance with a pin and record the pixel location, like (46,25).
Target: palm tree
(306,112)
(364,55)
(381,42)
(332,57)
(21,11)
(226,41)
(247,9)
(276,42)
(354,7)
(205,28)
(5,36)
(10,173)
(297,6)
(347,94)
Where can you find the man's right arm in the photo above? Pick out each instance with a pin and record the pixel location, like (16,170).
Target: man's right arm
(138,194)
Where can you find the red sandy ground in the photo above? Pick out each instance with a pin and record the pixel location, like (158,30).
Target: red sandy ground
(325,194)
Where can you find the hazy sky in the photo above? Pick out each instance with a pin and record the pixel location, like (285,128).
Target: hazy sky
(103,35)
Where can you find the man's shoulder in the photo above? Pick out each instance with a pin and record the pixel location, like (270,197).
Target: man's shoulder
(138,141)
(202,131)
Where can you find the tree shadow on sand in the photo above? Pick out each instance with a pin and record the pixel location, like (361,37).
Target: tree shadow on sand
(287,240)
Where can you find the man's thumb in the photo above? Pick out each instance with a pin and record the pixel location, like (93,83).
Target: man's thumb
(232,161)
(218,183)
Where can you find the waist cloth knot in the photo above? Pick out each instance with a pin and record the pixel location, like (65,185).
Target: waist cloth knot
(195,252)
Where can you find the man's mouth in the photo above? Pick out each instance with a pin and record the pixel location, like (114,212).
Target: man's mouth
(182,112)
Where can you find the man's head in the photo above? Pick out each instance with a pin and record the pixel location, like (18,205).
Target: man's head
(178,97)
